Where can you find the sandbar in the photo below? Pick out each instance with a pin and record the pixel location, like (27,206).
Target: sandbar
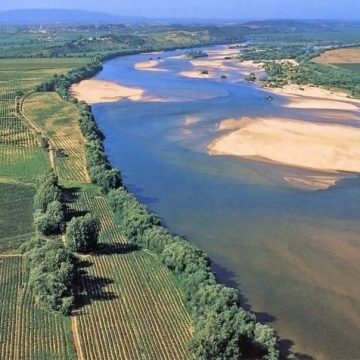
(192,119)
(95,91)
(325,147)
(313,97)
(150,65)
(197,74)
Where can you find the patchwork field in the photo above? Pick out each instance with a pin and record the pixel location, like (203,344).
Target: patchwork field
(28,332)
(58,120)
(127,295)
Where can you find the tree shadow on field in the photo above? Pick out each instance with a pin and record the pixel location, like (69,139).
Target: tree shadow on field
(70,197)
(90,288)
(228,278)
(115,249)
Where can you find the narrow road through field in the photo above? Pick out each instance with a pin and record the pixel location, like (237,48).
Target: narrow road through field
(10,255)
(38,130)
(76,336)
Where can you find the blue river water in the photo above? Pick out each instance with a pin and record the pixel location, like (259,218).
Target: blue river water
(292,253)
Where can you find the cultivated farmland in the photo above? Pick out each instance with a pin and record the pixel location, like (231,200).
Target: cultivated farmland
(28,332)
(58,120)
(24,74)
(16,215)
(127,295)
(128,302)
(22,164)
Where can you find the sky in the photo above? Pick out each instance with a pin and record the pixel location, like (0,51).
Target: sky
(227,9)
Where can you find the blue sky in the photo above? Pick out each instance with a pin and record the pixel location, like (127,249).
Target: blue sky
(241,9)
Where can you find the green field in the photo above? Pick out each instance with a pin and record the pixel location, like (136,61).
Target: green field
(16,215)
(22,164)
(24,74)
(28,332)
(352,67)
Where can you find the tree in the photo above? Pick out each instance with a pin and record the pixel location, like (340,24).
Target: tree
(265,337)
(47,191)
(50,222)
(82,233)
(182,257)
(251,77)
(52,273)
(214,297)
(107,179)
(223,335)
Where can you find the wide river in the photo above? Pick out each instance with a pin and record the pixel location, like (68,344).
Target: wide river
(292,253)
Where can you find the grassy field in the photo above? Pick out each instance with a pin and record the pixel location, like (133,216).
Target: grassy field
(130,300)
(28,332)
(18,76)
(58,120)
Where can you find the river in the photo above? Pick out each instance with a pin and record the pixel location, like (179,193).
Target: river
(292,253)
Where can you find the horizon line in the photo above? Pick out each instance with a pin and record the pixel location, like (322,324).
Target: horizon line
(184,17)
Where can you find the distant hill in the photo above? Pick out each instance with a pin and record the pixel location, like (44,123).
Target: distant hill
(293,26)
(49,17)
